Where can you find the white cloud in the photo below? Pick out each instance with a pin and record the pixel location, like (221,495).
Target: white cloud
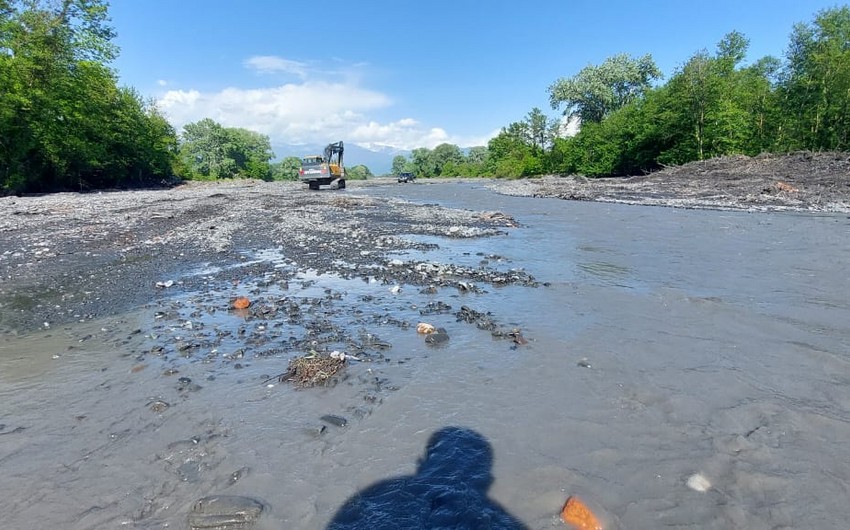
(267,64)
(161,82)
(306,112)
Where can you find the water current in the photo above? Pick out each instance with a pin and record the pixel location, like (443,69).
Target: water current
(665,343)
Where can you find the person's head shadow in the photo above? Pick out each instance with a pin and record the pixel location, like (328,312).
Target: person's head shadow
(449,490)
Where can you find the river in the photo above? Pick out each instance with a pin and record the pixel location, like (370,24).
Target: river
(663,343)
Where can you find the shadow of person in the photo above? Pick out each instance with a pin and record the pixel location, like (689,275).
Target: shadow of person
(449,490)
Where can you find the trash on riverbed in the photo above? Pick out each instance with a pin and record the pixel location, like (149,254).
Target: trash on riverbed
(516,335)
(782,186)
(424,328)
(343,356)
(158,405)
(576,514)
(224,511)
(698,482)
(241,303)
(335,420)
(313,369)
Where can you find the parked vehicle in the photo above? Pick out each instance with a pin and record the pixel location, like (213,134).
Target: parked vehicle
(406,177)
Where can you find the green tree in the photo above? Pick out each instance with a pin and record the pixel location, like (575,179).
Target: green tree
(358,172)
(251,152)
(211,151)
(422,163)
(596,91)
(64,123)
(539,130)
(815,90)
(446,155)
(399,164)
(286,169)
(477,154)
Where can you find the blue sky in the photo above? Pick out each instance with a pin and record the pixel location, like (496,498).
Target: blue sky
(407,74)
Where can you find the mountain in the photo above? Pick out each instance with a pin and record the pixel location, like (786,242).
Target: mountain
(379,159)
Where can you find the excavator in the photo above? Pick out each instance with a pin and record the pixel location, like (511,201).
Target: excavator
(325,169)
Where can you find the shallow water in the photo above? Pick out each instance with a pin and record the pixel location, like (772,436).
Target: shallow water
(710,342)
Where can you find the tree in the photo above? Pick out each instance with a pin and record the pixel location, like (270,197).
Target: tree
(399,165)
(815,89)
(596,91)
(443,155)
(251,153)
(422,162)
(64,122)
(358,172)
(212,152)
(286,169)
(477,154)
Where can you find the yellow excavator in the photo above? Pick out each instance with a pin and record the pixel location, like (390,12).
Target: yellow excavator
(325,169)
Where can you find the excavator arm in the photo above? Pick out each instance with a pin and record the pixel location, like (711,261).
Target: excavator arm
(333,153)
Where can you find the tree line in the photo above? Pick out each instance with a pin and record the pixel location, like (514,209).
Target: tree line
(713,105)
(66,124)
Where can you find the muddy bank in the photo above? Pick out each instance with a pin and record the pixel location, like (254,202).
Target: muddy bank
(817,182)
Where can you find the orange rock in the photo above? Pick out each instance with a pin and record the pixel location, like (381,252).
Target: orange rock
(577,514)
(241,303)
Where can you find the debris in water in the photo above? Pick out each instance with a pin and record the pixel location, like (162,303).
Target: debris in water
(335,420)
(224,511)
(579,516)
(425,328)
(698,482)
(241,303)
(516,335)
(158,405)
(583,363)
(343,356)
(165,284)
(395,289)
(312,369)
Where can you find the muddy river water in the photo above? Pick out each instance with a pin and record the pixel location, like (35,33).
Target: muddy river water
(662,344)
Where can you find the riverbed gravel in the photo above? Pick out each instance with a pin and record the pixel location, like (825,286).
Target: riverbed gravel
(69,256)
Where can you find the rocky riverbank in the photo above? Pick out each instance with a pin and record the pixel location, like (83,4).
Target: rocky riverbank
(68,257)
(815,182)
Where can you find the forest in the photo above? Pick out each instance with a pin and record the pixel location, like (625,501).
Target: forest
(66,124)
(713,105)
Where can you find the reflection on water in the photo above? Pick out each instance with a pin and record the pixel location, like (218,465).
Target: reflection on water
(667,343)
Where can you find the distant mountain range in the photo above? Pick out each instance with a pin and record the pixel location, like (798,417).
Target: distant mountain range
(379,159)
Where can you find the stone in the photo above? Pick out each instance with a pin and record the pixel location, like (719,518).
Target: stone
(224,512)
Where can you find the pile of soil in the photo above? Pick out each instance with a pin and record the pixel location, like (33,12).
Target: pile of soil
(802,181)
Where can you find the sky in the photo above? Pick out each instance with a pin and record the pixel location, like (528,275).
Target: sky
(405,74)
